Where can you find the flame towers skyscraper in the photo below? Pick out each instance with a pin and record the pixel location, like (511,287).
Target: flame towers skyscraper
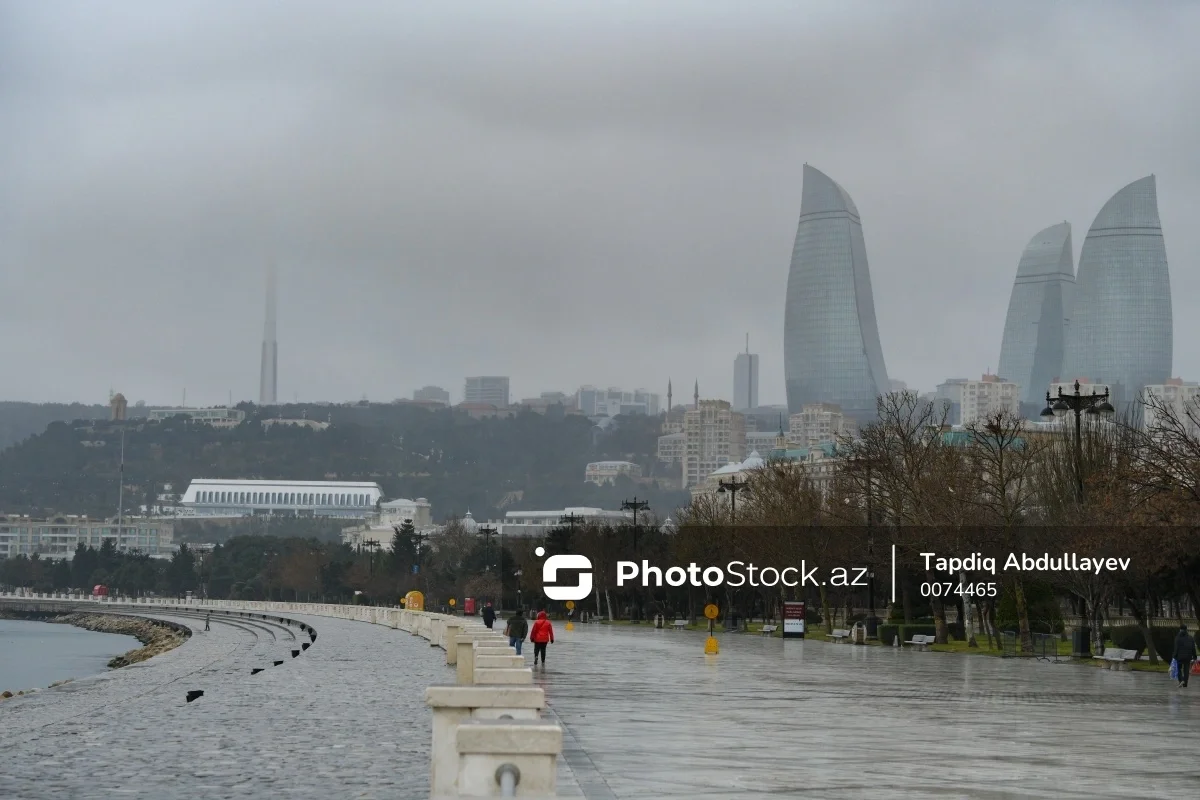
(1120,333)
(831,347)
(270,350)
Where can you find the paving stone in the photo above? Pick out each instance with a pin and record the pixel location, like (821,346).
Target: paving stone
(648,715)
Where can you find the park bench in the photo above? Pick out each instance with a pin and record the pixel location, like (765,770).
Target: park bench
(767,630)
(840,635)
(1116,658)
(921,641)
(679,624)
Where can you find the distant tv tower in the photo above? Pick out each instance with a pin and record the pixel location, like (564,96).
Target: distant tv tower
(270,350)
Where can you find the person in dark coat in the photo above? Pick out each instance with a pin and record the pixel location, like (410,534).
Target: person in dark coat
(516,630)
(489,615)
(1185,654)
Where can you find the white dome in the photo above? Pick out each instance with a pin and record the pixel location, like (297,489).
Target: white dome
(469,524)
(754,461)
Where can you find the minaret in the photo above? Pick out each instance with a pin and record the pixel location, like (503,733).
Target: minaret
(270,350)
(669,406)
(780,439)
(696,396)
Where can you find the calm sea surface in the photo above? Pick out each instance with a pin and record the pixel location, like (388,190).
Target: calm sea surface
(34,655)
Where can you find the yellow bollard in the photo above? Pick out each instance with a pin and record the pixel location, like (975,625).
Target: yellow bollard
(711,648)
(570,625)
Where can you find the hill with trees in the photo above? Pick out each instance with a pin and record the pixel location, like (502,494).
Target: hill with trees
(456,462)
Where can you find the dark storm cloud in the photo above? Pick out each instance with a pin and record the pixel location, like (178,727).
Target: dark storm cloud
(603,194)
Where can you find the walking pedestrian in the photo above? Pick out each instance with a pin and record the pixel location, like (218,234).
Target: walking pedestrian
(207,617)
(541,635)
(1185,654)
(516,629)
(489,616)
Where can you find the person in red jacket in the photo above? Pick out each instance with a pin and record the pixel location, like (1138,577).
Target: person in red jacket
(541,634)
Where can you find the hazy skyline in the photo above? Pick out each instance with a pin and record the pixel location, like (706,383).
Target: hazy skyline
(565,195)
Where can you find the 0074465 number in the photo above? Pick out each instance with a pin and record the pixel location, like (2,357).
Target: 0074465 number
(963,589)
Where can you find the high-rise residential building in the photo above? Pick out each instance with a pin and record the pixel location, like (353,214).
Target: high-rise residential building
(976,400)
(490,389)
(745,379)
(1177,395)
(267,373)
(817,424)
(714,435)
(1039,313)
(1120,332)
(831,347)
(432,394)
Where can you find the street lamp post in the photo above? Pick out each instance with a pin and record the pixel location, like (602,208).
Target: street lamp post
(635,506)
(1095,404)
(488,532)
(732,486)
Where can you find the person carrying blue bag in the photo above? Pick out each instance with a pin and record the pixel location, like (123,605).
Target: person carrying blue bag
(1184,655)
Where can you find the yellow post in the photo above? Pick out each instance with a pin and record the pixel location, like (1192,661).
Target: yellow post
(570,607)
(711,647)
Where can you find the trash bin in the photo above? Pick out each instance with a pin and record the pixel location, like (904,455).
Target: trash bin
(858,634)
(1081,642)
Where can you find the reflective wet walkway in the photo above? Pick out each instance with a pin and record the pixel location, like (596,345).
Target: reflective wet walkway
(649,715)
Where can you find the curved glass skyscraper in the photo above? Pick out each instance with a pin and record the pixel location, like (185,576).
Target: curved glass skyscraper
(1120,332)
(1039,311)
(831,349)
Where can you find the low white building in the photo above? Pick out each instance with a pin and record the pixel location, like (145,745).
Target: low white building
(602,472)
(539,523)
(212,497)
(220,417)
(1176,394)
(58,537)
(311,424)
(380,526)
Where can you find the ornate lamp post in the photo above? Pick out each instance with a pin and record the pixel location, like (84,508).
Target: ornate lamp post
(635,506)
(733,486)
(1094,403)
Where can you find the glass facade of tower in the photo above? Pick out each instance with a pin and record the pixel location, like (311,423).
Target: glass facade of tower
(1039,313)
(1121,332)
(831,344)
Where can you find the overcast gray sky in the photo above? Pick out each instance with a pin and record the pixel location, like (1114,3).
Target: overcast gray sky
(565,193)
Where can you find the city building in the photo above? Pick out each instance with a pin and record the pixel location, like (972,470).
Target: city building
(715,435)
(379,526)
(761,441)
(745,379)
(602,472)
(831,348)
(821,464)
(311,424)
(58,537)
(268,368)
(219,417)
(1120,332)
(1180,397)
(1039,314)
(672,446)
(817,424)
(974,400)
(612,401)
(896,385)
(765,418)
(490,389)
(209,497)
(483,410)
(432,394)
(540,523)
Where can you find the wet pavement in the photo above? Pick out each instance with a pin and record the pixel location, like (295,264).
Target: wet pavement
(345,719)
(649,715)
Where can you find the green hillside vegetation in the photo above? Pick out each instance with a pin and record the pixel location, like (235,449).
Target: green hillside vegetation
(19,421)
(457,463)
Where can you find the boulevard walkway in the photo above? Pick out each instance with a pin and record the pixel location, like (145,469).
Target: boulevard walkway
(648,715)
(346,719)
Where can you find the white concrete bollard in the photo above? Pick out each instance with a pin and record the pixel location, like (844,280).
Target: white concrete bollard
(503,676)
(450,642)
(513,758)
(499,662)
(455,705)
